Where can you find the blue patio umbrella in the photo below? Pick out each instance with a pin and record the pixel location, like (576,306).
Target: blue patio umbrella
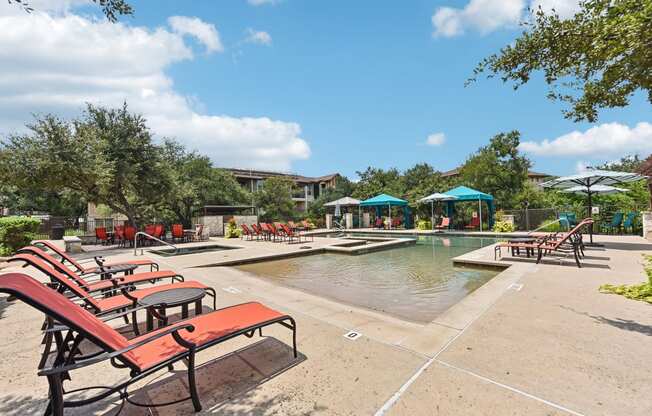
(464,193)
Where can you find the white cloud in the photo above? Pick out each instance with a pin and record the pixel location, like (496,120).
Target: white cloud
(259,37)
(485,16)
(261,2)
(481,15)
(436,139)
(57,64)
(204,32)
(609,139)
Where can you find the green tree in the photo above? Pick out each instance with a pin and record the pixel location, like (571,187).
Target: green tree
(194,183)
(111,8)
(274,200)
(374,181)
(106,156)
(597,59)
(343,187)
(498,169)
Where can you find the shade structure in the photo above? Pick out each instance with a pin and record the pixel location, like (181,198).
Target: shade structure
(464,193)
(384,200)
(347,201)
(589,180)
(436,197)
(595,189)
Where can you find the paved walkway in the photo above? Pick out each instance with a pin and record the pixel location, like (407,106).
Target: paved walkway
(535,340)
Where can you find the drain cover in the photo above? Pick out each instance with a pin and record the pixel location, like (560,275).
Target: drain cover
(352,335)
(304,247)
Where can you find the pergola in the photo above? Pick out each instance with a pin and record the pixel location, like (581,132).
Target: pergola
(466,194)
(384,200)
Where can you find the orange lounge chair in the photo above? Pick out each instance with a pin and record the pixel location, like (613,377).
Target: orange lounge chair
(102,306)
(445,223)
(94,269)
(106,281)
(246,232)
(142,356)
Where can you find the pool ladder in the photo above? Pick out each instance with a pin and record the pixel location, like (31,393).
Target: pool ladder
(151,237)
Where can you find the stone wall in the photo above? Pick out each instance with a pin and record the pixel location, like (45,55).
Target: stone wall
(213,224)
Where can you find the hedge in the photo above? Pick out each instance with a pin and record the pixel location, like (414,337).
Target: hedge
(16,232)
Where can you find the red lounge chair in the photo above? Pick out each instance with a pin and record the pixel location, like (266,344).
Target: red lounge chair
(380,224)
(246,232)
(292,235)
(103,306)
(130,234)
(307,225)
(30,254)
(94,269)
(475,223)
(177,232)
(396,222)
(570,242)
(119,235)
(101,235)
(260,233)
(445,223)
(275,232)
(143,355)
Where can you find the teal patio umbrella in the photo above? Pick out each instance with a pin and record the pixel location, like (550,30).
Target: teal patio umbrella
(384,200)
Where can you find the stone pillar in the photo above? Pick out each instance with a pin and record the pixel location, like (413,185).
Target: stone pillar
(647,224)
(329,221)
(365,220)
(348,220)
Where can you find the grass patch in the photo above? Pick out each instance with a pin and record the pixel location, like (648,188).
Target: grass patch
(642,291)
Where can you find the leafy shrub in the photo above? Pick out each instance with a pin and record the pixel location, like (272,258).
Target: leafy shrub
(642,291)
(424,225)
(16,232)
(232,230)
(504,227)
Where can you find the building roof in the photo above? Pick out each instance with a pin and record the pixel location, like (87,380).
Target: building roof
(263,174)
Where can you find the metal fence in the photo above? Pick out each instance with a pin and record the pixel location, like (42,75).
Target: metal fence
(52,226)
(532,219)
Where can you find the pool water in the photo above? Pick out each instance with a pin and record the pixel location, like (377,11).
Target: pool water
(182,251)
(415,283)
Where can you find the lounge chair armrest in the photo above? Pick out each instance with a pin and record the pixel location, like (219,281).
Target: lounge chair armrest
(56,328)
(109,355)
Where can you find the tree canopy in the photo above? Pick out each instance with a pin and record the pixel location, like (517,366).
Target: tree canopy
(597,59)
(498,169)
(274,200)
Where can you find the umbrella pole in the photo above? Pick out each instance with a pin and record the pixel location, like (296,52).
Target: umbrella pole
(389,215)
(432,215)
(590,216)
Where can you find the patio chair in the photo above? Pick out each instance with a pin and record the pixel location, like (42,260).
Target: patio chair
(568,218)
(307,225)
(119,235)
(475,223)
(445,223)
(292,234)
(630,222)
(380,224)
(275,233)
(101,236)
(396,222)
(177,233)
(246,232)
(564,243)
(159,231)
(130,234)
(615,224)
(90,283)
(99,260)
(143,355)
(122,299)
(260,233)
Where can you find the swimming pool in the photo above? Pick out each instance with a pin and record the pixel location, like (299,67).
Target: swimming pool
(182,251)
(416,282)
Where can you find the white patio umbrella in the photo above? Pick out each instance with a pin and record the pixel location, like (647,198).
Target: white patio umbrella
(436,197)
(590,181)
(596,189)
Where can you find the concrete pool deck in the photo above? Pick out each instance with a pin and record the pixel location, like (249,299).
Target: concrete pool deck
(535,340)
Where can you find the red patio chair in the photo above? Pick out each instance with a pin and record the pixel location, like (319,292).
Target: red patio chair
(119,235)
(379,223)
(445,223)
(275,232)
(101,235)
(79,268)
(130,234)
(143,355)
(246,232)
(177,232)
(159,231)
(260,233)
(475,223)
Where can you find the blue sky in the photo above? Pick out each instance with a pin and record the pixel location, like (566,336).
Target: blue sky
(366,82)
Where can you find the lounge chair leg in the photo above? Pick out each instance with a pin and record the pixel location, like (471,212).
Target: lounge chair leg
(294,337)
(260,331)
(55,406)
(194,395)
(539,255)
(577,259)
